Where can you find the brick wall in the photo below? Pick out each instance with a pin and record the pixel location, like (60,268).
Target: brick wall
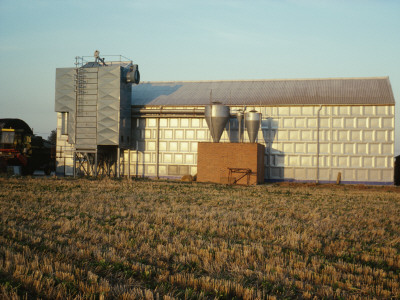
(214,159)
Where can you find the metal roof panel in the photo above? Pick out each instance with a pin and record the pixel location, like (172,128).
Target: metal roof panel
(330,91)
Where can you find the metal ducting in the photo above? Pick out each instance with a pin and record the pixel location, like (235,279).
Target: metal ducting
(217,115)
(133,75)
(252,121)
(239,116)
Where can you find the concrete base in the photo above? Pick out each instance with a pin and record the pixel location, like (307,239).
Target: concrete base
(219,163)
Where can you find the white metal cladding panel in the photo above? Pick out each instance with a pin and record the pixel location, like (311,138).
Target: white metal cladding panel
(357,141)
(71,127)
(107,122)
(290,135)
(108,106)
(178,138)
(64,152)
(65,96)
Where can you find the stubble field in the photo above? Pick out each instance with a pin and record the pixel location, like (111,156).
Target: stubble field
(107,239)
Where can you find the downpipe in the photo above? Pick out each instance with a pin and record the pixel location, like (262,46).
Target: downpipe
(318,127)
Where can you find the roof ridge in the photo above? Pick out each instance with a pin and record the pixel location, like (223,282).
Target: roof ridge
(265,80)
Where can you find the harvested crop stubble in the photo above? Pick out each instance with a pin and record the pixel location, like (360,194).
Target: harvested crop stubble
(156,239)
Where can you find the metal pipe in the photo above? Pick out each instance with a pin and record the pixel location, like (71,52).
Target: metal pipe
(182,116)
(195,111)
(95,164)
(239,118)
(229,128)
(244,123)
(158,148)
(318,125)
(260,127)
(178,113)
(74,162)
(118,162)
(129,163)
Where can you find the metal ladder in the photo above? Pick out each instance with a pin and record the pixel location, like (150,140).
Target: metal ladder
(85,160)
(79,85)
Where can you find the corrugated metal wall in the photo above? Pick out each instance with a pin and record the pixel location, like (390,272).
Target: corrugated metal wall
(108,106)
(357,141)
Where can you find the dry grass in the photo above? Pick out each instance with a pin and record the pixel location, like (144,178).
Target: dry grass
(164,240)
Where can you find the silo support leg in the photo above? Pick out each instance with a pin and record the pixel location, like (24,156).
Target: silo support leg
(118,162)
(74,164)
(129,164)
(95,164)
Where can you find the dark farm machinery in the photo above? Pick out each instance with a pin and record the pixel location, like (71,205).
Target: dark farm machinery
(23,152)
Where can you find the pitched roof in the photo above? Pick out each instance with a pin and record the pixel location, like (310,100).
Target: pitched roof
(330,91)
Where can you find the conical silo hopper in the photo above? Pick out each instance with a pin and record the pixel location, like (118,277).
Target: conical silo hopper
(217,115)
(252,121)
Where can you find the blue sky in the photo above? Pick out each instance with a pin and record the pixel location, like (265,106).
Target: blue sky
(193,40)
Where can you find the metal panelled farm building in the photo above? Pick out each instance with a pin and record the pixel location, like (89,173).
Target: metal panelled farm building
(312,129)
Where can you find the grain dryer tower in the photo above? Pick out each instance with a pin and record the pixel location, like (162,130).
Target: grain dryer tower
(93,104)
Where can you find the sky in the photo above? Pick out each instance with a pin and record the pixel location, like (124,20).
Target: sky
(193,40)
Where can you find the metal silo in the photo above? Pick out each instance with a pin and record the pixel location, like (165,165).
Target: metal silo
(217,115)
(252,122)
(94,105)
